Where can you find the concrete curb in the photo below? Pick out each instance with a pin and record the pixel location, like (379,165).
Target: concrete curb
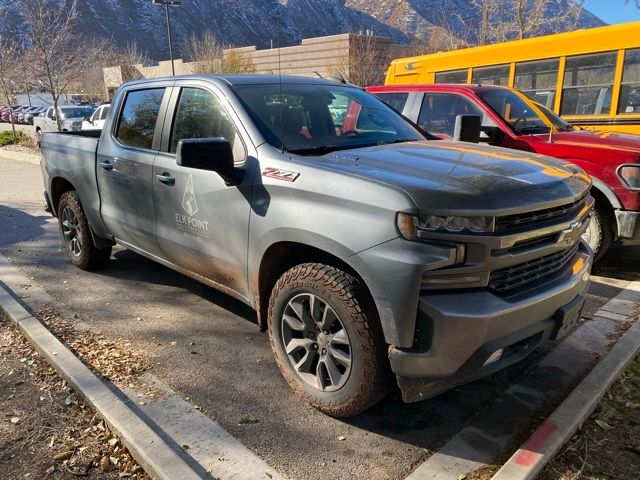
(159,459)
(556,430)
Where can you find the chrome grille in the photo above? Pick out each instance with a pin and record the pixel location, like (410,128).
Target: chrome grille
(529,219)
(510,278)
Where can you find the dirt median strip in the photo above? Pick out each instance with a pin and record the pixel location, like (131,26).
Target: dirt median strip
(556,430)
(159,459)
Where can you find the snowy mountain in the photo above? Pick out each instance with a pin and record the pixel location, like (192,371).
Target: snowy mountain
(258,22)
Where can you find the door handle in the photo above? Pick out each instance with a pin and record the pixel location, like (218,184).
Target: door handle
(166,178)
(106,165)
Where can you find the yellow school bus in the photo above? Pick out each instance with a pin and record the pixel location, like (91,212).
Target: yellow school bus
(590,77)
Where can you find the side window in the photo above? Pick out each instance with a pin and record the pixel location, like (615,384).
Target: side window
(137,122)
(397,101)
(199,114)
(498,75)
(454,76)
(630,89)
(439,110)
(538,80)
(588,84)
(49,113)
(103,115)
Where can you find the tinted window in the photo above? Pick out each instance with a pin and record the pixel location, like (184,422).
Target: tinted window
(103,115)
(588,84)
(137,122)
(313,119)
(515,110)
(397,101)
(456,76)
(630,90)
(538,80)
(498,75)
(200,115)
(439,111)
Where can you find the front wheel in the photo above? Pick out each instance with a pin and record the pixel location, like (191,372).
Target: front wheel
(327,339)
(599,233)
(76,236)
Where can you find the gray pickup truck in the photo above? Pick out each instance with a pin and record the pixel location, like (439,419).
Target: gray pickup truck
(366,246)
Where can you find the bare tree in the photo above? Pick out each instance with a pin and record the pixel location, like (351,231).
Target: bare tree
(503,20)
(208,55)
(364,62)
(10,59)
(633,2)
(57,56)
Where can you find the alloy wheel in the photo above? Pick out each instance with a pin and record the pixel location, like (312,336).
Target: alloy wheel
(316,342)
(71,231)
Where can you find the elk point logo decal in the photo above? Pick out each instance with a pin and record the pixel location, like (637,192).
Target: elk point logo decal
(191,227)
(189,202)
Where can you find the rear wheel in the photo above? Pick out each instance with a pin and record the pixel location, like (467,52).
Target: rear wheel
(76,236)
(599,234)
(327,339)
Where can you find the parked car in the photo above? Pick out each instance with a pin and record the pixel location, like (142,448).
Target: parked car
(29,116)
(510,119)
(364,251)
(26,109)
(71,119)
(6,112)
(96,122)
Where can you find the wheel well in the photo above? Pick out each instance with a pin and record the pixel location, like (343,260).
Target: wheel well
(282,256)
(602,201)
(58,187)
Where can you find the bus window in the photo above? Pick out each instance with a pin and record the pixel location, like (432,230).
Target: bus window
(439,110)
(588,84)
(630,89)
(497,75)
(455,76)
(396,101)
(538,80)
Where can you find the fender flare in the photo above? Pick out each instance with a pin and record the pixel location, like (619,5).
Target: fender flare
(607,192)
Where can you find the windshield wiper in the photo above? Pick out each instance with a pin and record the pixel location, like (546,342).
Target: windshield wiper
(324,149)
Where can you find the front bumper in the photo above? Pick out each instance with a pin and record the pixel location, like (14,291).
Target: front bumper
(628,224)
(458,333)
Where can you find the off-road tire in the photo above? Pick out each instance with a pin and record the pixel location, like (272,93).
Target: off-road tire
(370,377)
(91,257)
(601,234)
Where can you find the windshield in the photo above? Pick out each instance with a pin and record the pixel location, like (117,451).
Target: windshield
(315,119)
(515,111)
(557,122)
(76,112)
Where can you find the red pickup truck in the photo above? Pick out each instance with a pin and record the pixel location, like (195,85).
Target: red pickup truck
(511,120)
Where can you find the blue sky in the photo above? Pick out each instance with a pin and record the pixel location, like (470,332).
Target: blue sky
(614,11)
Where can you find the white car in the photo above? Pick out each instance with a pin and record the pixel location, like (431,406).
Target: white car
(71,119)
(96,122)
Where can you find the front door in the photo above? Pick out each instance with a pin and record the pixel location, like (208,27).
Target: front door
(125,169)
(202,223)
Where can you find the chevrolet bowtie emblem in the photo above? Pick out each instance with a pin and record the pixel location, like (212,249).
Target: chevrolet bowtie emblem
(570,234)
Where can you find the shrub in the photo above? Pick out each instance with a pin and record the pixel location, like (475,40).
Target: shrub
(6,138)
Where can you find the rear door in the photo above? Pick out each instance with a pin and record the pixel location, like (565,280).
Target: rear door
(202,223)
(125,166)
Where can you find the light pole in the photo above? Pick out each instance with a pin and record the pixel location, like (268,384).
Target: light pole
(167,4)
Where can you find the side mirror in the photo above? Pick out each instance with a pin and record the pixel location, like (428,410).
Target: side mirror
(467,128)
(211,154)
(53,118)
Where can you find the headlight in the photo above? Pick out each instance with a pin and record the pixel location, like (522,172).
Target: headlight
(630,175)
(413,227)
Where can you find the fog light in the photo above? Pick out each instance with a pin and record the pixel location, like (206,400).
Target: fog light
(494,357)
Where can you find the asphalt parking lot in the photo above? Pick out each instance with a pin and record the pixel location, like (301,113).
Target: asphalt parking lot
(207,346)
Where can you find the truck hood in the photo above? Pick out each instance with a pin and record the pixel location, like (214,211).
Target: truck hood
(597,139)
(445,177)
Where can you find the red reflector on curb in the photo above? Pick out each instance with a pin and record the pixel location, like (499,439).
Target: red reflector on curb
(529,452)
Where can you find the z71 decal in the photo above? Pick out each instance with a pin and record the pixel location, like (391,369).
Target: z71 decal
(280,174)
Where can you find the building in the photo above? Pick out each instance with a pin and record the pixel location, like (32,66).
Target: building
(325,56)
